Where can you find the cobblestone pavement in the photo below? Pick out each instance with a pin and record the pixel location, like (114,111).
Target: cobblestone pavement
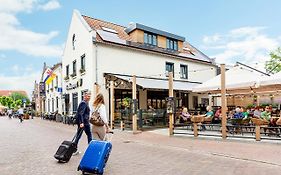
(28,148)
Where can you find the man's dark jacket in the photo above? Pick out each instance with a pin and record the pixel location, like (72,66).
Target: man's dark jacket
(83,113)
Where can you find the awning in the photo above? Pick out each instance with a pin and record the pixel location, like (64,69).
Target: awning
(235,78)
(153,83)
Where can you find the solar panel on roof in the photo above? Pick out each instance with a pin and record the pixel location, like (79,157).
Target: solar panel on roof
(111,37)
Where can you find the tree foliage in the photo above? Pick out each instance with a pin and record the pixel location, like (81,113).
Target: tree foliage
(274,64)
(14,100)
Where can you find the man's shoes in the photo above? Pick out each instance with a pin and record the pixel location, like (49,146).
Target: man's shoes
(76,153)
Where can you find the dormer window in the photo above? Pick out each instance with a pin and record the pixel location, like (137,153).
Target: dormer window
(73,41)
(150,38)
(172,44)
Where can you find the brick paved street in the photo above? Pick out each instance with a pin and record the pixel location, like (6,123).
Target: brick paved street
(28,148)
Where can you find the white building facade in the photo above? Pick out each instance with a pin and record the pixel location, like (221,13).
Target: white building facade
(53,92)
(97,52)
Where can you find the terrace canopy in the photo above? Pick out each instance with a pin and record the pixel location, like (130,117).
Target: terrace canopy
(237,79)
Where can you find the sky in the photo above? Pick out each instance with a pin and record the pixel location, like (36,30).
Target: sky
(34,31)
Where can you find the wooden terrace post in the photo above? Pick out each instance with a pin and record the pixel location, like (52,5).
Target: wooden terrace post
(195,129)
(223,101)
(111,104)
(134,88)
(171,94)
(258,133)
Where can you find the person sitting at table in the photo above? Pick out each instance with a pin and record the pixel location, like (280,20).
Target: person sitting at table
(278,122)
(217,117)
(266,115)
(208,116)
(185,116)
(238,113)
(257,112)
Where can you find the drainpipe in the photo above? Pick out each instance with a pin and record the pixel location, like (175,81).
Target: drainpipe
(96,58)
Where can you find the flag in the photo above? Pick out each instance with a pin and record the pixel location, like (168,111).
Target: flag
(50,79)
(48,76)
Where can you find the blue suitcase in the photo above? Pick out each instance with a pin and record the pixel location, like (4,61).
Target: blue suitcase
(95,157)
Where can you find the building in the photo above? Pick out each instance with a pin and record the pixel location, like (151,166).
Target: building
(10,92)
(53,91)
(97,52)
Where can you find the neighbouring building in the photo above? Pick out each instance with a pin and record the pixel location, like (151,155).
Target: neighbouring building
(97,52)
(53,91)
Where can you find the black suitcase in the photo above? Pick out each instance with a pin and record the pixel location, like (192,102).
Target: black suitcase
(66,149)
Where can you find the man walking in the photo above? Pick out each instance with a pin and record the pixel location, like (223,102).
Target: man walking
(82,119)
(20,113)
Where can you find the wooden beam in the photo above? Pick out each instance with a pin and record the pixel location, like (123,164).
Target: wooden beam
(171,94)
(258,133)
(223,101)
(134,89)
(112,105)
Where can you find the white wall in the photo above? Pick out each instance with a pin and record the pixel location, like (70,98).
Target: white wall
(119,60)
(83,45)
(53,94)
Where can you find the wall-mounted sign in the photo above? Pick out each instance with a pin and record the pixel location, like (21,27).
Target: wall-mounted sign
(75,85)
(42,89)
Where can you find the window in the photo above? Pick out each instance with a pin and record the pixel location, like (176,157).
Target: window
(74,68)
(57,102)
(49,105)
(183,69)
(57,81)
(169,68)
(83,93)
(74,102)
(53,105)
(67,71)
(172,44)
(150,38)
(73,41)
(83,63)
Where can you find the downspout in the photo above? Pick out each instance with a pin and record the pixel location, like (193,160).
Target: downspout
(96,59)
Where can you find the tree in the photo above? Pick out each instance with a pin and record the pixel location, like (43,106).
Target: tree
(6,101)
(274,64)
(18,96)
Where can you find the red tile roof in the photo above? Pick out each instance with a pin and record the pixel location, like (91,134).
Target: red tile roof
(190,53)
(9,92)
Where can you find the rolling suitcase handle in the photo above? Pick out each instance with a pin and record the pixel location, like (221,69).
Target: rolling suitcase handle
(77,134)
(107,138)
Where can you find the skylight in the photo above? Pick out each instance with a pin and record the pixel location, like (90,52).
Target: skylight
(109,30)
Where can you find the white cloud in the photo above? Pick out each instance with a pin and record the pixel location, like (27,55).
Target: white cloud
(210,39)
(51,5)
(15,6)
(23,82)
(249,45)
(15,37)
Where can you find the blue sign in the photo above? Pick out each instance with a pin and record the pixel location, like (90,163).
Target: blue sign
(24,100)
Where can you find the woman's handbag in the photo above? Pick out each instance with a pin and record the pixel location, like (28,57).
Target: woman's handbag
(96,118)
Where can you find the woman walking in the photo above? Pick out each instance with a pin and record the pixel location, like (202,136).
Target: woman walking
(99,128)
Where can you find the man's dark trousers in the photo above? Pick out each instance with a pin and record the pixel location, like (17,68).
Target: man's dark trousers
(87,130)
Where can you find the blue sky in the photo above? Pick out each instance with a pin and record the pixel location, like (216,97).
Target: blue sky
(34,31)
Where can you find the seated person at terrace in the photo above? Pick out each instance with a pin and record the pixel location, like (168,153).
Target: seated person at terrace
(266,115)
(185,116)
(238,113)
(257,112)
(208,116)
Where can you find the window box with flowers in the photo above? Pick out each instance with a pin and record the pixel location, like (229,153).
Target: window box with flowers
(73,75)
(66,78)
(82,71)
